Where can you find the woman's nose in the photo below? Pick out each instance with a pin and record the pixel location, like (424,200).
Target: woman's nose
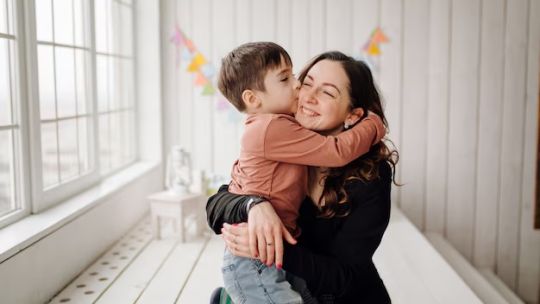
(312,96)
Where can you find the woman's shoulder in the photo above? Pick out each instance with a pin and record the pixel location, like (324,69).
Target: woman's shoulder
(384,176)
(380,186)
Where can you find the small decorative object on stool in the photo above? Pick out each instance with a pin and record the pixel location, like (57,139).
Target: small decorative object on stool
(179,176)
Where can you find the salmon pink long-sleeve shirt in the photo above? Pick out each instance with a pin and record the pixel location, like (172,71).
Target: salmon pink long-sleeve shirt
(276,150)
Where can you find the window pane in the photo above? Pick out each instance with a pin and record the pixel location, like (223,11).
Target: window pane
(81,69)
(5,83)
(102,13)
(114,34)
(115,87)
(65,81)
(83,137)
(104,143)
(69,155)
(127,83)
(79,7)
(7,173)
(46,82)
(115,78)
(63,21)
(126,30)
(3,17)
(49,154)
(102,68)
(115,129)
(128,133)
(44,20)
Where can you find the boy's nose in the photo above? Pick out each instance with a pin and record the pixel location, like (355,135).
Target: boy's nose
(297,85)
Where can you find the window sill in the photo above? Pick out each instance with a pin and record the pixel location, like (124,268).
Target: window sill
(25,232)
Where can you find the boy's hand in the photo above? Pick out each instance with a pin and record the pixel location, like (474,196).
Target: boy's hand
(236,239)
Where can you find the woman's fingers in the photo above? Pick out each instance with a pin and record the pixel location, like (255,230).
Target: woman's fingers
(261,245)
(270,247)
(287,236)
(278,240)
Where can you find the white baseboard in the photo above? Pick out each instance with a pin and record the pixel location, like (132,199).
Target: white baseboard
(487,287)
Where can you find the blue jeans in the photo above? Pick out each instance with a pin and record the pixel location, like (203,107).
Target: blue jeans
(250,281)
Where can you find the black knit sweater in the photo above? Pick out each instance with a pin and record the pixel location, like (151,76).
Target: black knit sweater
(334,255)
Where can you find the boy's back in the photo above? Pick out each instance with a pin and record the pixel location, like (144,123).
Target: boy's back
(256,173)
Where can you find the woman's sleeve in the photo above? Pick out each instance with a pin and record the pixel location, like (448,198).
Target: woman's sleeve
(226,207)
(351,253)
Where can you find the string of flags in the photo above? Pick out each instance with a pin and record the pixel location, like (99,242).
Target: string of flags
(372,49)
(202,69)
(198,64)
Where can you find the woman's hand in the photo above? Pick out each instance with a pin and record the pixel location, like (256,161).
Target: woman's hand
(266,232)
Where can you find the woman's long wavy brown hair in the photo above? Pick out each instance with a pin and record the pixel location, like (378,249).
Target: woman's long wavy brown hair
(363,94)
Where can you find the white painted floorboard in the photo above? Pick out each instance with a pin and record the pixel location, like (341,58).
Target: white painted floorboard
(168,271)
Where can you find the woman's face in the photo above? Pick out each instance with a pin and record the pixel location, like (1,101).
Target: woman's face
(323,99)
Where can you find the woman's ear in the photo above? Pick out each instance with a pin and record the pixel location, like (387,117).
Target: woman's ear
(354,116)
(251,100)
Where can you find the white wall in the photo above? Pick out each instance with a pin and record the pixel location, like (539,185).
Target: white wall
(460,80)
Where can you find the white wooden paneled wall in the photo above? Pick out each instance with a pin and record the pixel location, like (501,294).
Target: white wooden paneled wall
(460,82)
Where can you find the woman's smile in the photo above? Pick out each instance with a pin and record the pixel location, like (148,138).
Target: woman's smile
(308,112)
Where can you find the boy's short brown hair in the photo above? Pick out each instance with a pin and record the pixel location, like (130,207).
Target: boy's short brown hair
(245,68)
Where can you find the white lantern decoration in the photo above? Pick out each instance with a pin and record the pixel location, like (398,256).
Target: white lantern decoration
(179,176)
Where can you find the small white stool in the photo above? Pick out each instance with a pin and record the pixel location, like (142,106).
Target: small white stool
(178,207)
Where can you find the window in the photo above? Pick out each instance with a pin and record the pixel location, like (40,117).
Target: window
(114,72)
(78,88)
(63,55)
(9,120)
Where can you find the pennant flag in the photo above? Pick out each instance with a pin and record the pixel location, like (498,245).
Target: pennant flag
(373,49)
(200,80)
(379,37)
(208,70)
(177,37)
(222,104)
(190,45)
(208,90)
(186,55)
(196,63)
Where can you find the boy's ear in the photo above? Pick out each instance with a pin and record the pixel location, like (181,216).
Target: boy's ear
(354,116)
(251,100)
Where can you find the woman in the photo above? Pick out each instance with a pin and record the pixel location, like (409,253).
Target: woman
(347,209)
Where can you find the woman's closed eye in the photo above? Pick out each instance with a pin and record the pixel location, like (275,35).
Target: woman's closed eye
(329,94)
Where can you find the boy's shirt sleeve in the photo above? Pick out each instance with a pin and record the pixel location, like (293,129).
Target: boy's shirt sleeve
(285,140)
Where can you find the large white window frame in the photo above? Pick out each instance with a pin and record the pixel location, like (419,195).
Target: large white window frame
(45,198)
(32,198)
(20,142)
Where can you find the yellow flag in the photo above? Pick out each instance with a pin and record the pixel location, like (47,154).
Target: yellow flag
(196,63)
(373,49)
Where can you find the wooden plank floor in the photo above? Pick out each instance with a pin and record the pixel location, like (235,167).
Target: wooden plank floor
(139,269)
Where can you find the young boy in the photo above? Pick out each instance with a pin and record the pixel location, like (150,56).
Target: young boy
(275,152)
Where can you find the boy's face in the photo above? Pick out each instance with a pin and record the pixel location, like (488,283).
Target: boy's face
(281,94)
